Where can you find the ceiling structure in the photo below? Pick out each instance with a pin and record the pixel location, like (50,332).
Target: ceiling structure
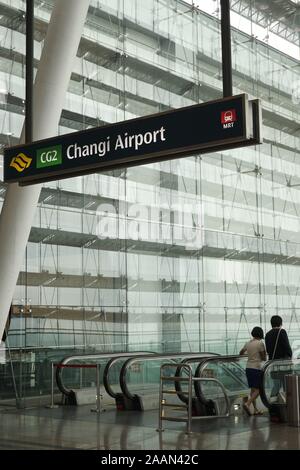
(281,17)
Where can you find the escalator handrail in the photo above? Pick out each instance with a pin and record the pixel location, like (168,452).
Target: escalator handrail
(242,369)
(128,363)
(79,357)
(106,371)
(203,364)
(231,358)
(182,395)
(267,365)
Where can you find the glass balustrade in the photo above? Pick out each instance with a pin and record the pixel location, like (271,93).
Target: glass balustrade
(274,372)
(141,376)
(230,371)
(72,378)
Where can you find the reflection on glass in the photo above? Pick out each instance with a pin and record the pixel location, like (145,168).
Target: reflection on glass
(148,284)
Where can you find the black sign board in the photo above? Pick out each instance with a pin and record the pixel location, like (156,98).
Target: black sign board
(216,125)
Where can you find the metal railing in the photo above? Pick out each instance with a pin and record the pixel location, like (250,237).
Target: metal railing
(190,380)
(158,357)
(194,360)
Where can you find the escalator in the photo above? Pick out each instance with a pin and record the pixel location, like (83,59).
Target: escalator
(131,379)
(231,372)
(272,391)
(72,382)
(208,399)
(199,407)
(111,376)
(140,378)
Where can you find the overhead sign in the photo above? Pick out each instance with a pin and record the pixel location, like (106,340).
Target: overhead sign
(207,127)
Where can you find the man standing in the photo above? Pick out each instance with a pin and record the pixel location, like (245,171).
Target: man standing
(277,342)
(278,347)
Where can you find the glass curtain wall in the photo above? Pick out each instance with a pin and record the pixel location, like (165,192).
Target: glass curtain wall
(183,255)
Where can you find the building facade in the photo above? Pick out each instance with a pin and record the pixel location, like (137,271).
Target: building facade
(183,255)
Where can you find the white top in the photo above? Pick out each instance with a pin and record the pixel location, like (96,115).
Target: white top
(254,347)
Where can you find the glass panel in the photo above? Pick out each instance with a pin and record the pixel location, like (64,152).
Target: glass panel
(274,380)
(142,377)
(231,373)
(183,255)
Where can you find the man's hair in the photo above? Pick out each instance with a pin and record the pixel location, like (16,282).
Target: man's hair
(276,321)
(257,332)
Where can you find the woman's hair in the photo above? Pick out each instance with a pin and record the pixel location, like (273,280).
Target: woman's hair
(257,332)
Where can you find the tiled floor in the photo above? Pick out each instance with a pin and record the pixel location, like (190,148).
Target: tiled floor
(78,428)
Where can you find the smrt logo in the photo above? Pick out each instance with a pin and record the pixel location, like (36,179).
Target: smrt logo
(228,118)
(21,162)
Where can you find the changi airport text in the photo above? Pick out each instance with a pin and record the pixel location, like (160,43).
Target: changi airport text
(123,141)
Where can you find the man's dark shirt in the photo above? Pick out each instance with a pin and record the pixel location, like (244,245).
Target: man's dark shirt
(283,348)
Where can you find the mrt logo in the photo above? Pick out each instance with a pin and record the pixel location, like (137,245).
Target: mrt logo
(228,118)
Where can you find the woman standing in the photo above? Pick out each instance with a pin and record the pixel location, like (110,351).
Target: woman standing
(256,351)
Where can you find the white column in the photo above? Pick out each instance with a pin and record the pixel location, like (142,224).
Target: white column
(51,84)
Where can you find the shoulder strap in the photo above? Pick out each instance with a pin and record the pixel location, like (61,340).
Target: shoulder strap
(274,350)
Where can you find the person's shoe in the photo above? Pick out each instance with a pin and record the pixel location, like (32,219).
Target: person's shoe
(258,413)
